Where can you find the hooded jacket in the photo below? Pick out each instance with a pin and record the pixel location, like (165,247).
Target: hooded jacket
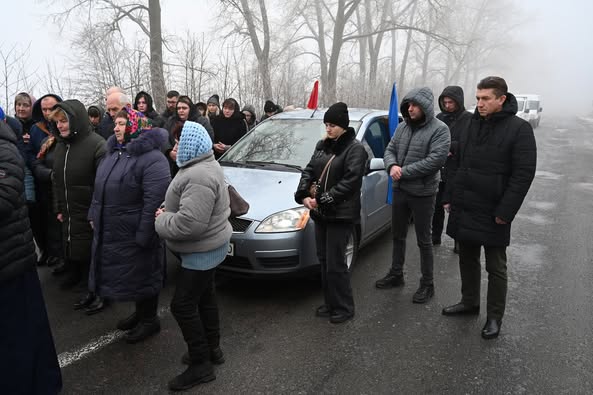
(491,175)
(197,207)
(229,130)
(42,128)
(251,110)
(419,148)
(17,251)
(157,120)
(75,164)
(340,186)
(97,129)
(456,121)
(127,255)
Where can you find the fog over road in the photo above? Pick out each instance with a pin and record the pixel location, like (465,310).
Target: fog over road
(274,344)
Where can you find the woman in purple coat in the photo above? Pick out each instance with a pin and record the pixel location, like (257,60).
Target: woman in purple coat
(128,256)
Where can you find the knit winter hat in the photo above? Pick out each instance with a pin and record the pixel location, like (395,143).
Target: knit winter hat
(338,115)
(269,106)
(214,99)
(194,142)
(137,123)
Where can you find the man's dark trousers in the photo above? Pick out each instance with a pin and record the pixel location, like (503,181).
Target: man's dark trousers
(422,207)
(470,269)
(438,218)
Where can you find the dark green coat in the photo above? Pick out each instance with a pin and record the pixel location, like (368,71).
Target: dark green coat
(76,160)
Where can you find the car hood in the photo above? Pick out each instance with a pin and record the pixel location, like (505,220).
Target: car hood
(266,191)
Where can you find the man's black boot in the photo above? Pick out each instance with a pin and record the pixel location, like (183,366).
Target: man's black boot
(461,309)
(194,374)
(390,281)
(491,329)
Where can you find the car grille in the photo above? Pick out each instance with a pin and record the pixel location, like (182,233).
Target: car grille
(236,261)
(240,225)
(280,263)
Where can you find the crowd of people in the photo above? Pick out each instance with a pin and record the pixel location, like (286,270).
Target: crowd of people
(96,195)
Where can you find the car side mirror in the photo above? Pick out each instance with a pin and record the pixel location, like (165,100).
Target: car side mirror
(541,109)
(375,164)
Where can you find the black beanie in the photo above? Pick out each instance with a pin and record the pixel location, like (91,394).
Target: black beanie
(214,99)
(269,106)
(338,115)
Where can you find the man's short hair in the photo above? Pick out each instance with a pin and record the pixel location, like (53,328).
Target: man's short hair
(171,94)
(498,84)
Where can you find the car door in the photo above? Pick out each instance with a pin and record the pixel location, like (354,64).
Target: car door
(376,213)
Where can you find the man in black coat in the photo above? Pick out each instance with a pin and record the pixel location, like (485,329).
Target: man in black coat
(28,361)
(490,177)
(453,113)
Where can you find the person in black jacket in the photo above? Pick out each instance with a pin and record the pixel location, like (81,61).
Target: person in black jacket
(184,111)
(229,127)
(488,183)
(453,113)
(28,361)
(335,207)
(77,155)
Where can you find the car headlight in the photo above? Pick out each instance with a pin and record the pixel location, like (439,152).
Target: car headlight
(285,221)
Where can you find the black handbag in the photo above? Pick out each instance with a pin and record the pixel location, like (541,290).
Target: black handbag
(239,206)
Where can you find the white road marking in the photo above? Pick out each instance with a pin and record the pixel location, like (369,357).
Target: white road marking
(69,357)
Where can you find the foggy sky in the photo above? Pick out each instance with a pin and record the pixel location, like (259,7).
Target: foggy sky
(554,57)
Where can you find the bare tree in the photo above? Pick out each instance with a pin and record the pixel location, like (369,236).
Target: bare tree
(256,26)
(15,73)
(145,15)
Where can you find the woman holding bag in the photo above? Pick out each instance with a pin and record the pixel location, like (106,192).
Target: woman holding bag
(335,171)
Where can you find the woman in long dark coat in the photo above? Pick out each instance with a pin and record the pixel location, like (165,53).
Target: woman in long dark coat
(128,256)
(76,158)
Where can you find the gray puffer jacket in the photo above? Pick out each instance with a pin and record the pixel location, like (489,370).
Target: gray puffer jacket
(419,148)
(197,208)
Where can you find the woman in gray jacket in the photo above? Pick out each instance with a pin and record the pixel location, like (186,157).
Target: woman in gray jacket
(194,222)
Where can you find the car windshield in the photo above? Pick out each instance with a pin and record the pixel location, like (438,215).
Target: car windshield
(288,142)
(533,104)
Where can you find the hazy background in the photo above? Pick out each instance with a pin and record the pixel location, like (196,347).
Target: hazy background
(552,54)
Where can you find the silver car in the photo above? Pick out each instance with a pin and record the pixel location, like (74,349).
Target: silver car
(276,236)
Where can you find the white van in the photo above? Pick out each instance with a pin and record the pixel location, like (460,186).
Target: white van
(529,109)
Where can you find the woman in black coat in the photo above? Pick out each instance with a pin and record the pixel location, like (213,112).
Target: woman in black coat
(229,127)
(28,361)
(337,167)
(77,155)
(185,110)
(128,256)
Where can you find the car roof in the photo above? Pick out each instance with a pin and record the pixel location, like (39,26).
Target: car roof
(355,114)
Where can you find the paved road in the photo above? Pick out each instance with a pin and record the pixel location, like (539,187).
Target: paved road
(274,344)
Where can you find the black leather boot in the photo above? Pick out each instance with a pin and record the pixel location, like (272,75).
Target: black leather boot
(192,376)
(143,331)
(128,323)
(85,301)
(491,329)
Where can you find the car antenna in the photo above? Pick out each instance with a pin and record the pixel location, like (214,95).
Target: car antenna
(313,113)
